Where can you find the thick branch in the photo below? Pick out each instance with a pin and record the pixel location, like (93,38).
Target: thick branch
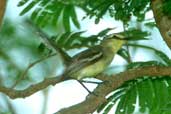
(163,21)
(2,10)
(92,102)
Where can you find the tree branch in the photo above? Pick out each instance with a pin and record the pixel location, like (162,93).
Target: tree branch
(2,10)
(29,67)
(163,21)
(13,93)
(92,102)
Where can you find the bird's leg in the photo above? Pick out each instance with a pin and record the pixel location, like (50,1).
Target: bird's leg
(86,88)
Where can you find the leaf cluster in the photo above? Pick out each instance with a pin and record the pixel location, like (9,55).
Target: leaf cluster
(48,12)
(166,7)
(119,9)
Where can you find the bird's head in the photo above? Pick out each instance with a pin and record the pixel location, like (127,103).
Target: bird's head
(114,41)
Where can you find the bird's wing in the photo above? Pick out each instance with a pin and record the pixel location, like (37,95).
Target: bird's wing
(85,58)
(87,54)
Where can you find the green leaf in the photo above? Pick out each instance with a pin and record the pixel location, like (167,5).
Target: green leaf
(146,101)
(74,17)
(75,36)
(29,7)
(35,13)
(44,3)
(112,99)
(104,32)
(136,34)
(104,8)
(121,106)
(109,107)
(63,38)
(130,104)
(40,19)
(57,10)
(97,20)
(41,47)
(121,10)
(22,2)
(150,24)
(69,40)
(167,108)
(164,57)
(66,18)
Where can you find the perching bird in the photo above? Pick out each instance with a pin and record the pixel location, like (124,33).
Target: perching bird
(95,60)
(91,62)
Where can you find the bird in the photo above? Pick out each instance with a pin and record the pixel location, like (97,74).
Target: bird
(95,60)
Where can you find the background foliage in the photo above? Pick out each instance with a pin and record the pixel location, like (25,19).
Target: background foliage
(145,95)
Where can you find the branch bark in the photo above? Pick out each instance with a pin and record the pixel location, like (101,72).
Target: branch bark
(92,102)
(163,21)
(2,10)
(13,93)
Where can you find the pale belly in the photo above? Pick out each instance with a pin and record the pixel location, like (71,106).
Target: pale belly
(91,71)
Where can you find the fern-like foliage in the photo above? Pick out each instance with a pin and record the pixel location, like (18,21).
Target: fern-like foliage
(119,9)
(135,34)
(46,12)
(72,40)
(145,95)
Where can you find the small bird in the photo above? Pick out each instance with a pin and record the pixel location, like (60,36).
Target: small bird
(95,60)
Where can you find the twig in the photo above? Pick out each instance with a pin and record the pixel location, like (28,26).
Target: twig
(29,67)
(13,93)
(129,55)
(50,44)
(127,47)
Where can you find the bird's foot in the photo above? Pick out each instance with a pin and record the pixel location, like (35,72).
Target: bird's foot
(92,82)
